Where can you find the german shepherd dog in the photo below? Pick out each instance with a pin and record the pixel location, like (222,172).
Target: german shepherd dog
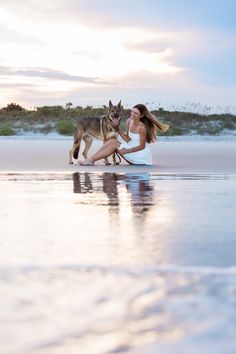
(102,128)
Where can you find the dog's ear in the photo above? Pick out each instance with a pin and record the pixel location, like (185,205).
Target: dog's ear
(119,104)
(110,104)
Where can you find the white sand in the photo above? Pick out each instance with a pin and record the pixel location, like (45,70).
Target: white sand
(19,155)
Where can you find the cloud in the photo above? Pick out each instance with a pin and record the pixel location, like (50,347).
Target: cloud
(150,46)
(12,85)
(12,36)
(155,90)
(90,54)
(46,73)
(175,89)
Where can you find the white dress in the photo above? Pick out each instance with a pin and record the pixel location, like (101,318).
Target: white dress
(141,157)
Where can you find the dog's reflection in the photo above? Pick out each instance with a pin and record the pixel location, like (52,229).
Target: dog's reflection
(82,183)
(133,189)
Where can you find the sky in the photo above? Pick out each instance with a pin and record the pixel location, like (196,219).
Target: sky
(172,54)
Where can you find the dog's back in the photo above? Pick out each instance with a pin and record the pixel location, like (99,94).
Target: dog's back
(88,126)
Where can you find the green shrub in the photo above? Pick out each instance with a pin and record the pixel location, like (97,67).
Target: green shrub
(65,127)
(228,125)
(6,129)
(50,111)
(174,130)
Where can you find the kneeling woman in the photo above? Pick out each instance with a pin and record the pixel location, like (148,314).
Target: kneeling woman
(133,146)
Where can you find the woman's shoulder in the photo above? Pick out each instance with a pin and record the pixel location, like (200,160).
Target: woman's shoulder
(142,127)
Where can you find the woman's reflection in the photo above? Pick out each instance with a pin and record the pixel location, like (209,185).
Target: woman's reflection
(138,190)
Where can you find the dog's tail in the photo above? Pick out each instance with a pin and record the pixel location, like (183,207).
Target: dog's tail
(76,145)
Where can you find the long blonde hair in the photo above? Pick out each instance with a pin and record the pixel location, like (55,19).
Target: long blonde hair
(151,123)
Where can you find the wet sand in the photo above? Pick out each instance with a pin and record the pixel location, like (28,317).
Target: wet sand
(102,263)
(168,156)
(118,259)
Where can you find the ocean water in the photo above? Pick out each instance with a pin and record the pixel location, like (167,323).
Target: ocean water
(117,263)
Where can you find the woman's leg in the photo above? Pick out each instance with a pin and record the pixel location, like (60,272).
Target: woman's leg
(104,145)
(105,152)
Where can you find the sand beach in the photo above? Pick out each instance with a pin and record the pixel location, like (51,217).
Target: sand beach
(169,156)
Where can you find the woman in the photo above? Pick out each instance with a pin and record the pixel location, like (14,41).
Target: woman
(141,129)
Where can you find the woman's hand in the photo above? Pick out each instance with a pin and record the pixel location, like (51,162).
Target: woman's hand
(117,126)
(123,151)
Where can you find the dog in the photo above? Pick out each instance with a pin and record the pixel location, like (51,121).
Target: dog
(102,128)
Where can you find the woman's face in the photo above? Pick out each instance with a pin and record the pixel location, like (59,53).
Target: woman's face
(135,113)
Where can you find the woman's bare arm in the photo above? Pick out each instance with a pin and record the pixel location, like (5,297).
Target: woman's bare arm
(125,135)
(141,146)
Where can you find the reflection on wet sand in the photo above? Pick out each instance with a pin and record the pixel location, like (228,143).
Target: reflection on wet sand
(125,264)
(82,183)
(133,189)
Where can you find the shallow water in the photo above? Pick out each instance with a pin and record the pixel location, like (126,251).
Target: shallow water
(117,263)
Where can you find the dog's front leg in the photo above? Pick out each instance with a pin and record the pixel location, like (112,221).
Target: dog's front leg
(114,159)
(106,161)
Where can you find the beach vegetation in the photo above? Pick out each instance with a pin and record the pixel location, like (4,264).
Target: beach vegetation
(62,119)
(65,127)
(6,130)
(13,107)
(175,130)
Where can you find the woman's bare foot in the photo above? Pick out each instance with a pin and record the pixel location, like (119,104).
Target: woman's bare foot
(86,163)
